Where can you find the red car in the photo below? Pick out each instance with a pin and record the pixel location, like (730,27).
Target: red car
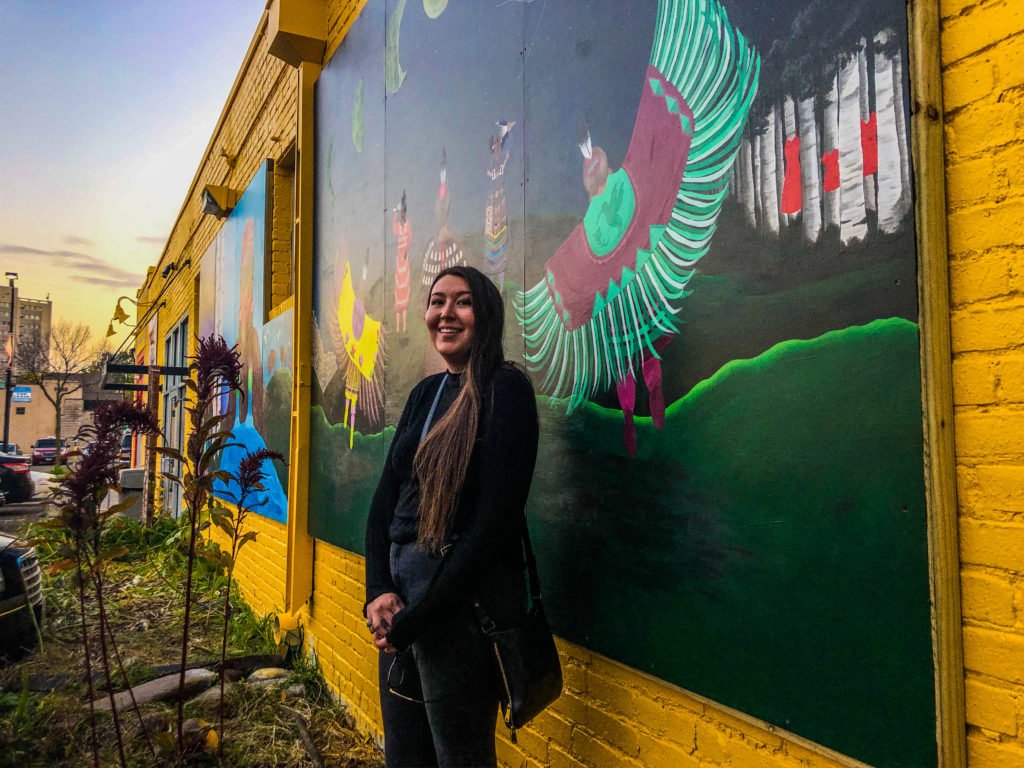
(44,450)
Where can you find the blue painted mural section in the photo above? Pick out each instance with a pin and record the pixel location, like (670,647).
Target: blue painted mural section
(232,305)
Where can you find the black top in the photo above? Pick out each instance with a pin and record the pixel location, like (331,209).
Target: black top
(487,524)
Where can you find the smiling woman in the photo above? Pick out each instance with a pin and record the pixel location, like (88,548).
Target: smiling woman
(444,532)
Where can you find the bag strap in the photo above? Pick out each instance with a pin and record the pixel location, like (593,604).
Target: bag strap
(531,562)
(433,407)
(486,622)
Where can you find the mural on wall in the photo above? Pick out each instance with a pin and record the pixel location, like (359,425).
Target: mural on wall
(231,304)
(710,273)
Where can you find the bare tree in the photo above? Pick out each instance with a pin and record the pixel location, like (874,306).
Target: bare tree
(56,365)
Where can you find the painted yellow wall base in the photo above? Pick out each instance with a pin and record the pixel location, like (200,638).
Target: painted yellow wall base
(608,715)
(260,570)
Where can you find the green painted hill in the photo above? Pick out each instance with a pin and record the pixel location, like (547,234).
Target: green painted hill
(766,549)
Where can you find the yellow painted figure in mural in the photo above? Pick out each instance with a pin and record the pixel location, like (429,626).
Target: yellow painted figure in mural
(361,342)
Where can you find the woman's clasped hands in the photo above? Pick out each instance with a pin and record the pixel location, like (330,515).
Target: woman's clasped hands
(380,614)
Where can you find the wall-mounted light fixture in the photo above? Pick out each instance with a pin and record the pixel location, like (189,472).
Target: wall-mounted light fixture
(121,317)
(217,200)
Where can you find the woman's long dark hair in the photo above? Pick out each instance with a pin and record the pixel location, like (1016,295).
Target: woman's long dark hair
(443,456)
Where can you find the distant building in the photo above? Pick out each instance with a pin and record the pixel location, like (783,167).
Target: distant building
(31,319)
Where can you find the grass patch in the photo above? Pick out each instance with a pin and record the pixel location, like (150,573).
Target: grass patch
(144,607)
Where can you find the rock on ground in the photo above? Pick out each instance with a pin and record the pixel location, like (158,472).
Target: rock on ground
(162,689)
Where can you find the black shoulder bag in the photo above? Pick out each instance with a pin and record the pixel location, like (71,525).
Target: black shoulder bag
(529,672)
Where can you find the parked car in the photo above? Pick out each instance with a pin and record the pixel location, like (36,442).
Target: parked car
(44,450)
(16,482)
(12,448)
(21,590)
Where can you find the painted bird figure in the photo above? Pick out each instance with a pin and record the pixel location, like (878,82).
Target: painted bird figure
(607,303)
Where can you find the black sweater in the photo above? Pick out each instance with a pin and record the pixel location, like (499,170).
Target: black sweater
(487,524)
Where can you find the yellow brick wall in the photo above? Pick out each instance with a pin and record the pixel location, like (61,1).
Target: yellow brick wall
(608,715)
(258,122)
(982,48)
(260,570)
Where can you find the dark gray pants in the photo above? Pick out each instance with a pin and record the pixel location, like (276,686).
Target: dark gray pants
(450,669)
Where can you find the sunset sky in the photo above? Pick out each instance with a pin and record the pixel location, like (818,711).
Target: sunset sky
(108,106)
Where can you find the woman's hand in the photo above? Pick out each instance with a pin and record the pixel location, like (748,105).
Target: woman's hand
(379,615)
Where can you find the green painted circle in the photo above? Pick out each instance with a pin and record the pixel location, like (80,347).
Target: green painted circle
(434,8)
(609,214)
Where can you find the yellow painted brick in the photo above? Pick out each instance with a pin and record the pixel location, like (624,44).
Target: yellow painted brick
(994,653)
(986,488)
(975,377)
(755,735)
(995,273)
(665,719)
(988,378)
(988,598)
(969,182)
(571,707)
(509,754)
(612,693)
(747,747)
(990,123)
(574,677)
(560,758)
(997,545)
(533,744)
(712,744)
(998,68)
(591,750)
(619,733)
(950,8)
(553,726)
(748,755)
(989,434)
(992,708)
(985,26)
(660,753)
(982,753)
(989,225)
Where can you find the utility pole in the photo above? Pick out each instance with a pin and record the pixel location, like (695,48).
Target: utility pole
(9,388)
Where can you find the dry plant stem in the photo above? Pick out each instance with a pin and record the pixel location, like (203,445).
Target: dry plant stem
(227,618)
(131,695)
(307,741)
(223,656)
(88,663)
(105,657)
(186,624)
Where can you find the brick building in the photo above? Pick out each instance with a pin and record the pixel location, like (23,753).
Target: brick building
(32,317)
(967,101)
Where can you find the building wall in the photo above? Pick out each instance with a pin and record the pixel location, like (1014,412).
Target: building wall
(32,318)
(610,715)
(36,418)
(983,92)
(258,122)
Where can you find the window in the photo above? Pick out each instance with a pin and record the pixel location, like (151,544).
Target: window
(19,411)
(279,261)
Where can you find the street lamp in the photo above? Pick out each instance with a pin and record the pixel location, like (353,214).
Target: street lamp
(8,393)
